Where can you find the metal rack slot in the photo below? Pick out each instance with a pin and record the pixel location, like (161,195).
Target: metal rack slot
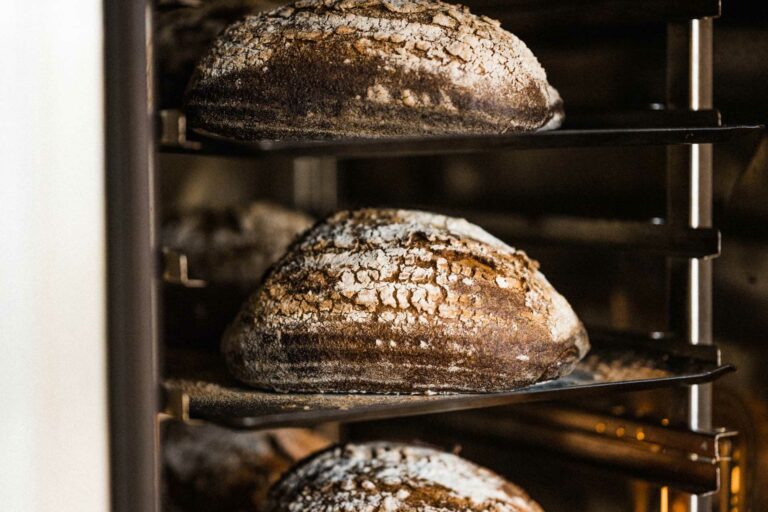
(687,460)
(689,203)
(617,235)
(559,231)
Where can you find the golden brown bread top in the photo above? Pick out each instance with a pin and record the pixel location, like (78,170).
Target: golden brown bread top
(403,301)
(393,477)
(404,266)
(316,61)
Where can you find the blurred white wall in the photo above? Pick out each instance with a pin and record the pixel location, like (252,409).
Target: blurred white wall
(53,410)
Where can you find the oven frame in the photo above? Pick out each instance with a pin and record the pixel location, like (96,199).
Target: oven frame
(133,274)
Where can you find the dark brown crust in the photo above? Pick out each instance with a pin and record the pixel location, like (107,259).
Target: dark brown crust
(343,363)
(435,311)
(388,477)
(184,33)
(292,83)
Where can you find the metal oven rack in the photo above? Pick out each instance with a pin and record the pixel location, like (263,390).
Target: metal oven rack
(197,388)
(687,128)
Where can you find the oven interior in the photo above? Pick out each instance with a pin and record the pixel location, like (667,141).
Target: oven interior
(647,212)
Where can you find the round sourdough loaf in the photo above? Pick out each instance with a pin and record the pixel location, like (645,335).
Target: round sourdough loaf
(184,32)
(398,301)
(235,245)
(369,68)
(391,477)
(230,249)
(211,468)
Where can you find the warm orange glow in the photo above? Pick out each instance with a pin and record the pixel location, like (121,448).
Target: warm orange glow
(640,435)
(735,479)
(620,432)
(680,503)
(600,428)
(664,507)
(665,422)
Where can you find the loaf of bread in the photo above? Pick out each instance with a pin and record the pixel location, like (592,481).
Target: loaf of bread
(185,31)
(236,245)
(230,249)
(369,68)
(211,468)
(398,301)
(392,477)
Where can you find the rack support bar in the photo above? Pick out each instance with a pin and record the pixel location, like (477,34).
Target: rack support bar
(689,203)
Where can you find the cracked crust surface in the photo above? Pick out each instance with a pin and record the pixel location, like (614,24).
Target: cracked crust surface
(184,32)
(393,477)
(368,68)
(399,301)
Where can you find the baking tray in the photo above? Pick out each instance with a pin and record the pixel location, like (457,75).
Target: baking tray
(208,144)
(197,386)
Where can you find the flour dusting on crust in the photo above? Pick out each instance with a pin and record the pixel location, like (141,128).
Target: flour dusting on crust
(384,477)
(403,301)
(365,67)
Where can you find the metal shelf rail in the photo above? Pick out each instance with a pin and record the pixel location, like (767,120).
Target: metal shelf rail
(197,386)
(209,144)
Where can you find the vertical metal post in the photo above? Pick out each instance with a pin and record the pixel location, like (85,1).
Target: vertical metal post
(131,293)
(315,185)
(689,202)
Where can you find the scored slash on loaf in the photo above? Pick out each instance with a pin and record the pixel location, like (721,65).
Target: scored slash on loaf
(369,68)
(393,477)
(399,301)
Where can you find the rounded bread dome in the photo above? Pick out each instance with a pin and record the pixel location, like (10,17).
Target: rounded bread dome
(369,68)
(400,301)
(393,477)
(184,32)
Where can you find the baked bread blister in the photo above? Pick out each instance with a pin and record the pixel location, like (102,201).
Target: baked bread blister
(393,477)
(369,68)
(400,301)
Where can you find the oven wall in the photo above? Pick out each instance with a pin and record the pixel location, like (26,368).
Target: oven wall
(53,409)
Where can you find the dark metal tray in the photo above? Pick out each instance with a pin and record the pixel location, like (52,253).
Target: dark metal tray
(196,386)
(460,144)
